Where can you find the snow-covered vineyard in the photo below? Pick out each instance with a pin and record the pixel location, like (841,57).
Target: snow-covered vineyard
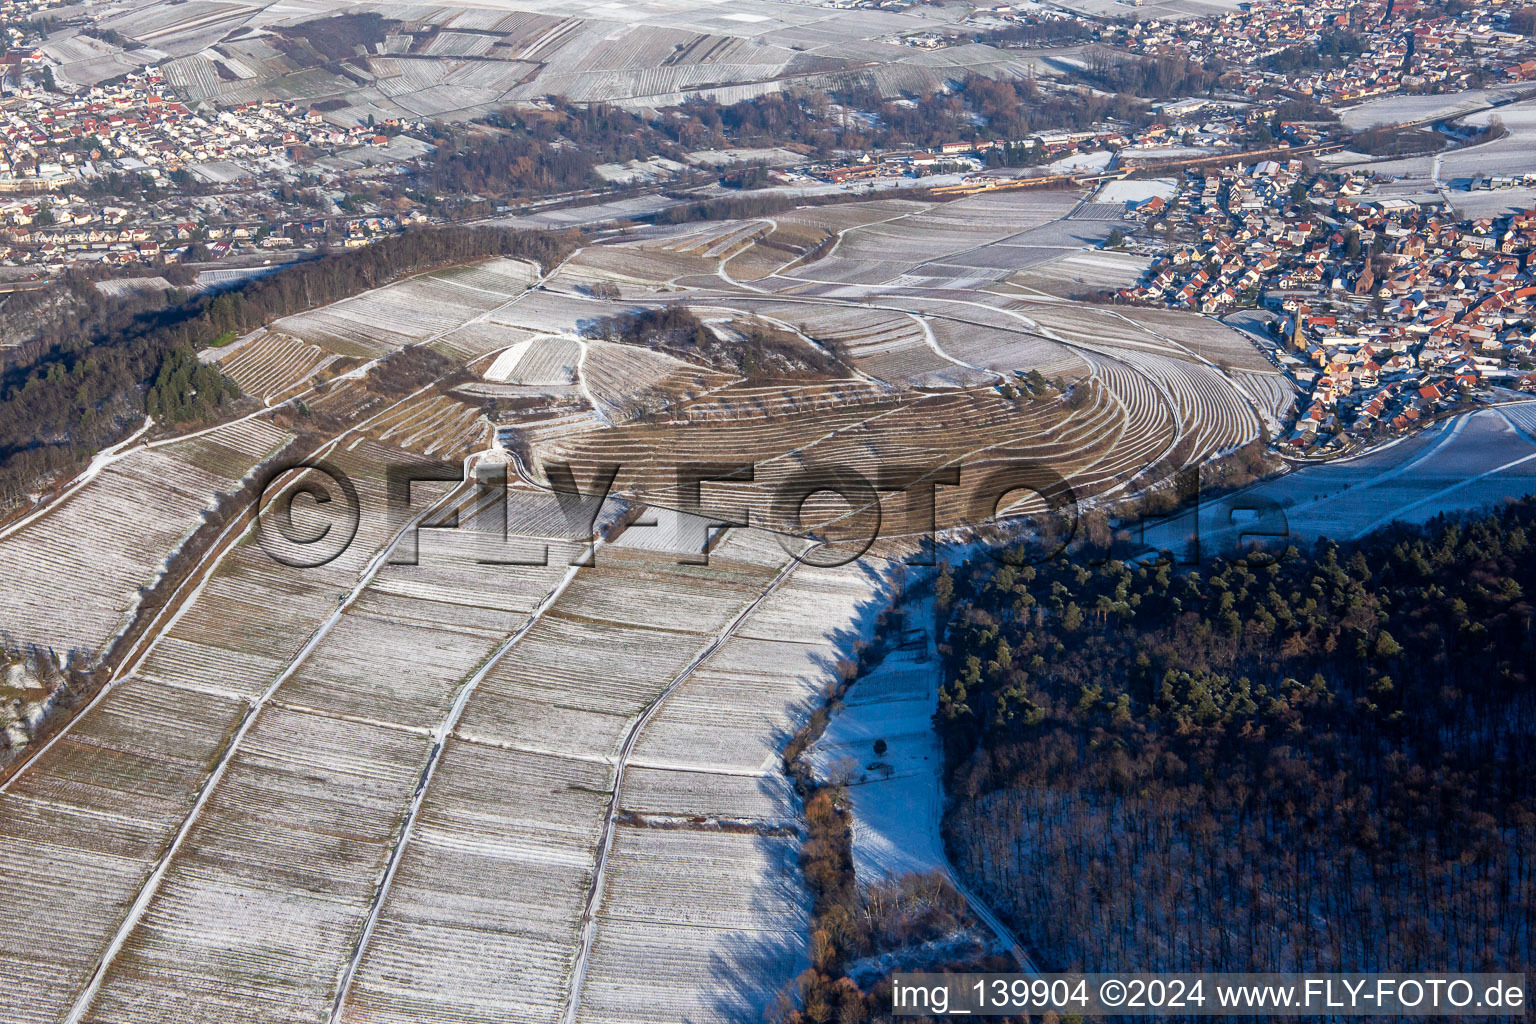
(461,62)
(482,788)
(74,571)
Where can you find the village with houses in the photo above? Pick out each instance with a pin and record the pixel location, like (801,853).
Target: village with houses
(1392,312)
(1387,311)
(122,174)
(1343,51)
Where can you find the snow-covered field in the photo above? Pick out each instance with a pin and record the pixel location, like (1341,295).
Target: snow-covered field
(1409,107)
(1165,10)
(492,55)
(1492,203)
(420,309)
(897,794)
(74,572)
(1509,154)
(1095,161)
(1136,190)
(1465,463)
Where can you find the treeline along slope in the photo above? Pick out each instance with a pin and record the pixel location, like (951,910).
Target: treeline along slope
(89,390)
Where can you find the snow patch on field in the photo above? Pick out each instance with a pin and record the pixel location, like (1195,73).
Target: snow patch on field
(1404,107)
(1134,191)
(1095,161)
(897,796)
(1461,465)
(541,359)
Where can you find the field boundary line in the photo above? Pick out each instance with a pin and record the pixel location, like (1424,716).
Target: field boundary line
(440,737)
(151,885)
(595,893)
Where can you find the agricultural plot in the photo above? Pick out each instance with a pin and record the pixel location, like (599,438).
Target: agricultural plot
(477,339)
(1033,247)
(1399,107)
(435,425)
(837,219)
(970,240)
(76,569)
(521,793)
(177,29)
(354,332)
(426,308)
(1470,462)
(1507,154)
(700,926)
(1005,349)
(368,686)
(236,924)
(720,734)
(1080,272)
(254,614)
(194,75)
(624,382)
(458,44)
(542,359)
(648,266)
(383,666)
(127,774)
(675,794)
(1206,337)
(87,61)
(1216,416)
(122,287)
(1095,328)
(272,365)
(1152,421)
(719,240)
(570,418)
(503,277)
(104,801)
(480,921)
(729,721)
(919,237)
(1273,394)
(971,428)
(616,381)
(778,249)
(454,62)
(549,312)
(604,615)
(896,347)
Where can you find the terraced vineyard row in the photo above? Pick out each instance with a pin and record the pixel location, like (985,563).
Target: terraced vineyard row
(274,364)
(434,425)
